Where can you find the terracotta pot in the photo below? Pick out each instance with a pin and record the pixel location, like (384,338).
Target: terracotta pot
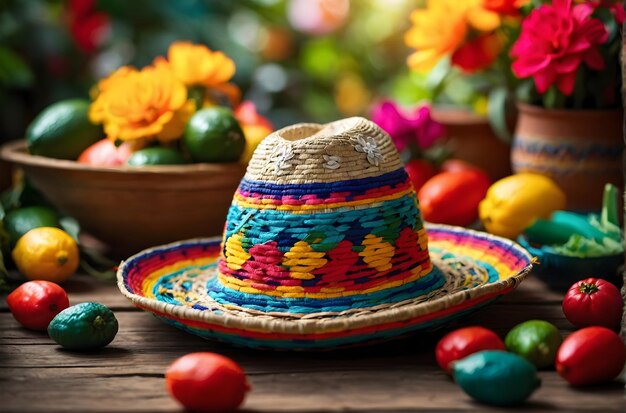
(471,139)
(580,150)
(128,208)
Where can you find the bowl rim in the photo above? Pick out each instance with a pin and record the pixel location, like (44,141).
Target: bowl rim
(15,152)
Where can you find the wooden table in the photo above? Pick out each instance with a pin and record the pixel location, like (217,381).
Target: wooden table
(401,376)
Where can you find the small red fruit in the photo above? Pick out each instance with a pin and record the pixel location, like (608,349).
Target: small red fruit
(206,382)
(105,153)
(593,302)
(460,343)
(591,355)
(35,303)
(453,197)
(420,171)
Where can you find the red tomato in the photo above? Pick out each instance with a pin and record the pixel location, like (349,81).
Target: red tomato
(593,302)
(420,171)
(458,165)
(453,197)
(206,382)
(105,153)
(465,341)
(591,355)
(35,303)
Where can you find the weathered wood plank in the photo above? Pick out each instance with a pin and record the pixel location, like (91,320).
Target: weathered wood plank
(364,391)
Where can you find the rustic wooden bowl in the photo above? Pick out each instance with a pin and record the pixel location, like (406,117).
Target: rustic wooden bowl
(128,208)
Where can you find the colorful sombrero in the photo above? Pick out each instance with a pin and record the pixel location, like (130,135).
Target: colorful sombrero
(323,246)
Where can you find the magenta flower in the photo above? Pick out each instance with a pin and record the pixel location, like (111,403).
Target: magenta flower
(555,40)
(418,127)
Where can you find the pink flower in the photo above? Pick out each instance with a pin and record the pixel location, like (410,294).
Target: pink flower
(555,40)
(417,127)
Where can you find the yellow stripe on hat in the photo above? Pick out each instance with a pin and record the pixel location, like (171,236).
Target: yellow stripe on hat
(301,209)
(504,271)
(147,285)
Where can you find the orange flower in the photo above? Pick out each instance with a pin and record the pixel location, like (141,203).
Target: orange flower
(441,28)
(197,65)
(138,105)
(96,111)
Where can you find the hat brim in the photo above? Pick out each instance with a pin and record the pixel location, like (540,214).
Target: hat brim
(170,281)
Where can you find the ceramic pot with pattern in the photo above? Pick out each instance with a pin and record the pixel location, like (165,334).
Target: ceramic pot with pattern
(580,150)
(470,137)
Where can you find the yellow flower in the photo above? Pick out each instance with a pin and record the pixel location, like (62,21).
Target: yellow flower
(135,105)
(351,95)
(441,28)
(197,65)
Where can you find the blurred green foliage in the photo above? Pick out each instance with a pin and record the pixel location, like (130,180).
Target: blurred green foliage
(290,74)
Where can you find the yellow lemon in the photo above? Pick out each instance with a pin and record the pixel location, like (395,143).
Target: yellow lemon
(46,253)
(254,135)
(515,202)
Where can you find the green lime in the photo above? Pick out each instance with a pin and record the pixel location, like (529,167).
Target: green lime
(214,135)
(62,130)
(535,340)
(19,221)
(84,326)
(496,377)
(156,156)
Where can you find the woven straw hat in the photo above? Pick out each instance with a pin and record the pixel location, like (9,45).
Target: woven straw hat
(324,246)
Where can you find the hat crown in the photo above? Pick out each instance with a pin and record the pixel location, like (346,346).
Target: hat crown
(323,212)
(308,152)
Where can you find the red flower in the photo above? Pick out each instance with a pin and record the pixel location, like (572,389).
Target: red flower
(555,40)
(88,26)
(478,53)
(505,7)
(246,114)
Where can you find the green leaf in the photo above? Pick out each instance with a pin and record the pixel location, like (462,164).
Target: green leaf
(97,265)
(525,91)
(4,274)
(437,77)
(497,113)
(197,94)
(10,198)
(71,226)
(553,99)
(13,71)
(609,206)
(608,19)
(579,89)
(579,246)
(103,275)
